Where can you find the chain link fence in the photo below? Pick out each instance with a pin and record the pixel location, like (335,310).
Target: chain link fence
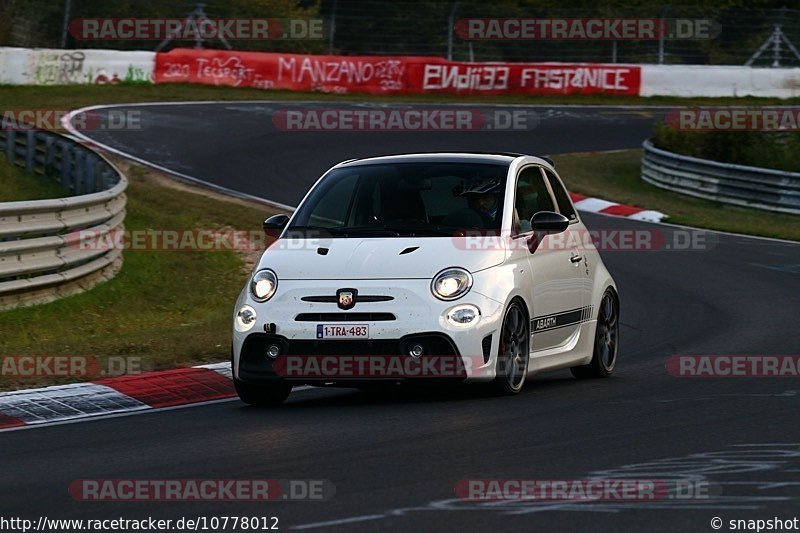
(420,27)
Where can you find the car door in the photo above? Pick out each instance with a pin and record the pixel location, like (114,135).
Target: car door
(580,239)
(556,283)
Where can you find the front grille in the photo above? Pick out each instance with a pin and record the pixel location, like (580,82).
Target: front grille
(361,298)
(344,317)
(256,366)
(343,347)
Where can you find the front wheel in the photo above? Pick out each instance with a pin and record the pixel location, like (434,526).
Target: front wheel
(606,340)
(514,352)
(264,395)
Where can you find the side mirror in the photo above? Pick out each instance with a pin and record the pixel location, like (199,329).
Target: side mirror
(273,226)
(548,222)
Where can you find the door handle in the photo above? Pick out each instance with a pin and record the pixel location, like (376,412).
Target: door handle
(576,258)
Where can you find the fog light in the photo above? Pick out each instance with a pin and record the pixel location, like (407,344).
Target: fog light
(416,350)
(463,315)
(274,350)
(245,318)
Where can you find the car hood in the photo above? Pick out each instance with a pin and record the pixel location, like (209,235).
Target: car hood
(376,258)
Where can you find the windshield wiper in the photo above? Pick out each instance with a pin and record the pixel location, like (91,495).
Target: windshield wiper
(435,231)
(386,230)
(381,231)
(320,229)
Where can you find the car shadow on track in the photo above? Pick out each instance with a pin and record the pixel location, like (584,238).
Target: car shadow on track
(337,397)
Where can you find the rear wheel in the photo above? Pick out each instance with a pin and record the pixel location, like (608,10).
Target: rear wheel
(263,395)
(606,341)
(514,352)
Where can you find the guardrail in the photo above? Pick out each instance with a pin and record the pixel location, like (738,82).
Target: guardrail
(761,188)
(40,255)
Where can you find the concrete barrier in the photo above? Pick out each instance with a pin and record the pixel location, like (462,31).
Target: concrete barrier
(719,81)
(26,66)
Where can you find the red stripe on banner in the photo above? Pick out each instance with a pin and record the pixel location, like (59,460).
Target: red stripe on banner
(9,421)
(577,197)
(173,387)
(391,74)
(621,210)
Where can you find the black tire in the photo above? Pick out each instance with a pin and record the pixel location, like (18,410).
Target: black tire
(265,395)
(606,340)
(513,352)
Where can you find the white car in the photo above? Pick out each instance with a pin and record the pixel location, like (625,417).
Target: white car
(468,266)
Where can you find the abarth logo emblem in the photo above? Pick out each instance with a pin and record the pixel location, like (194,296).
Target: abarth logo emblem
(346,298)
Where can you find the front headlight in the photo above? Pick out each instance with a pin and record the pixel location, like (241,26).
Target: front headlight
(451,283)
(263,285)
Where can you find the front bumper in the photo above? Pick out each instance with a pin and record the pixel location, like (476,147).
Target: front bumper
(289,322)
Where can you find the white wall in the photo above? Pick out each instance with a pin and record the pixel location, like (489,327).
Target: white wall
(696,80)
(25,66)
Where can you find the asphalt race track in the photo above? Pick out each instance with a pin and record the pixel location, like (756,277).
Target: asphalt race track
(396,457)
(241,145)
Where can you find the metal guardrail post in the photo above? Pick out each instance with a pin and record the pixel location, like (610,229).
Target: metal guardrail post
(39,259)
(30,153)
(10,144)
(91,163)
(66,167)
(759,188)
(80,171)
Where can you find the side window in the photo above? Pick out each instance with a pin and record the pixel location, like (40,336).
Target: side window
(530,197)
(564,205)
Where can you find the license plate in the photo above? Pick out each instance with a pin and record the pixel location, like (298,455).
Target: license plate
(342,331)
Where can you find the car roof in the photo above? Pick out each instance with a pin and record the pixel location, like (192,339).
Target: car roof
(442,157)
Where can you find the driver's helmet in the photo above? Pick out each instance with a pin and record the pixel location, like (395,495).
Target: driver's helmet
(490,187)
(485,188)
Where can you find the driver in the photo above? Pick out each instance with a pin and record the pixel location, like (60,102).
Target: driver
(483,199)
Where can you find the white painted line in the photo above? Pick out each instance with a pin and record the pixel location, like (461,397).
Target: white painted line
(341,521)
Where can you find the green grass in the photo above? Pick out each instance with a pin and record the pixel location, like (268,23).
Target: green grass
(171,308)
(17,185)
(617,176)
(779,150)
(71,97)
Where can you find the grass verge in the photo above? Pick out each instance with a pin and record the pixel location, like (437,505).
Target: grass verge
(168,308)
(617,176)
(72,97)
(17,185)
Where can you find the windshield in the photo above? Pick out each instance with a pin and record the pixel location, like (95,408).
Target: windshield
(405,199)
